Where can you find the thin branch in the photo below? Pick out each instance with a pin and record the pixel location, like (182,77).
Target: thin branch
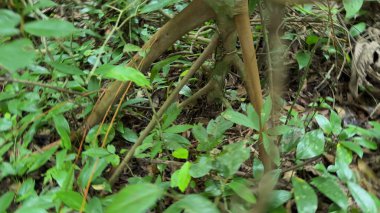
(33,83)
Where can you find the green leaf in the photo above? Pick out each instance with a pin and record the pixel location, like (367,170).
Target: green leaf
(357,29)
(271,149)
(5,124)
(17,54)
(178,128)
(201,168)
(50,28)
(8,22)
(279,197)
(303,59)
(156,5)
(267,108)
(331,189)
(66,68)
(362,198)
(37,160)
(193,204)
(342,160)
(181,153)
(218,126)
(181,178)
(353,147)
(63,129)
(324,123)
(71,199)
(305,197)
(175,141)
(311,145)
(161,64)
(252,115)
(352,7)
(240,119)
(366,143)
(131,48)
(230,160)
(243,191)
(257,168)
(312,39)
(279,130)
(336,123)
(123,73)
(96,152)
(135,198)
(200,133)
(6,200)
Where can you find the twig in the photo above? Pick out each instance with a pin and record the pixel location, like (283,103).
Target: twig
(33,83)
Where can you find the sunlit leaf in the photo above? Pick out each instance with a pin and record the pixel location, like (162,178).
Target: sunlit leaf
(311,145)
(63,129)
(181,153)
(17,54)
(193,204)
(71,199)
(50,28)
(303,58)
(8,22)
(123,73)
(304,195)
(331,189)
(352,7)
(362,198)
(137,198)
(6,200)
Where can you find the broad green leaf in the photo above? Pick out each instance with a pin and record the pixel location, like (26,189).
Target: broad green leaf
(181,178)
(181,153)
(161,64)
(5,124)
(96,152)
(170,115)
(267,108)
(193,204)
(357,29)
(175,141)
(352,7)
(312,39)
(50,28)
(336,123)
(201,168)
(304,195)
(331,189)
(271,149)
(6,200)
(137,198)
(66,68)
(71,199)
(257,168)
(37,160)
(94,206)
(240,119)
(63,129)
(243,191)
(279,197)
(369,144)
(362,198)
(311,144)
(252,115)
(8,22)
(230,160)
(279,130)
(353,147)
(303,59)
(123,73)
(342,160)
(324,123)
(131,48)
(17,54)
(218,126)
(200,133)
(156,5)
(178,128)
